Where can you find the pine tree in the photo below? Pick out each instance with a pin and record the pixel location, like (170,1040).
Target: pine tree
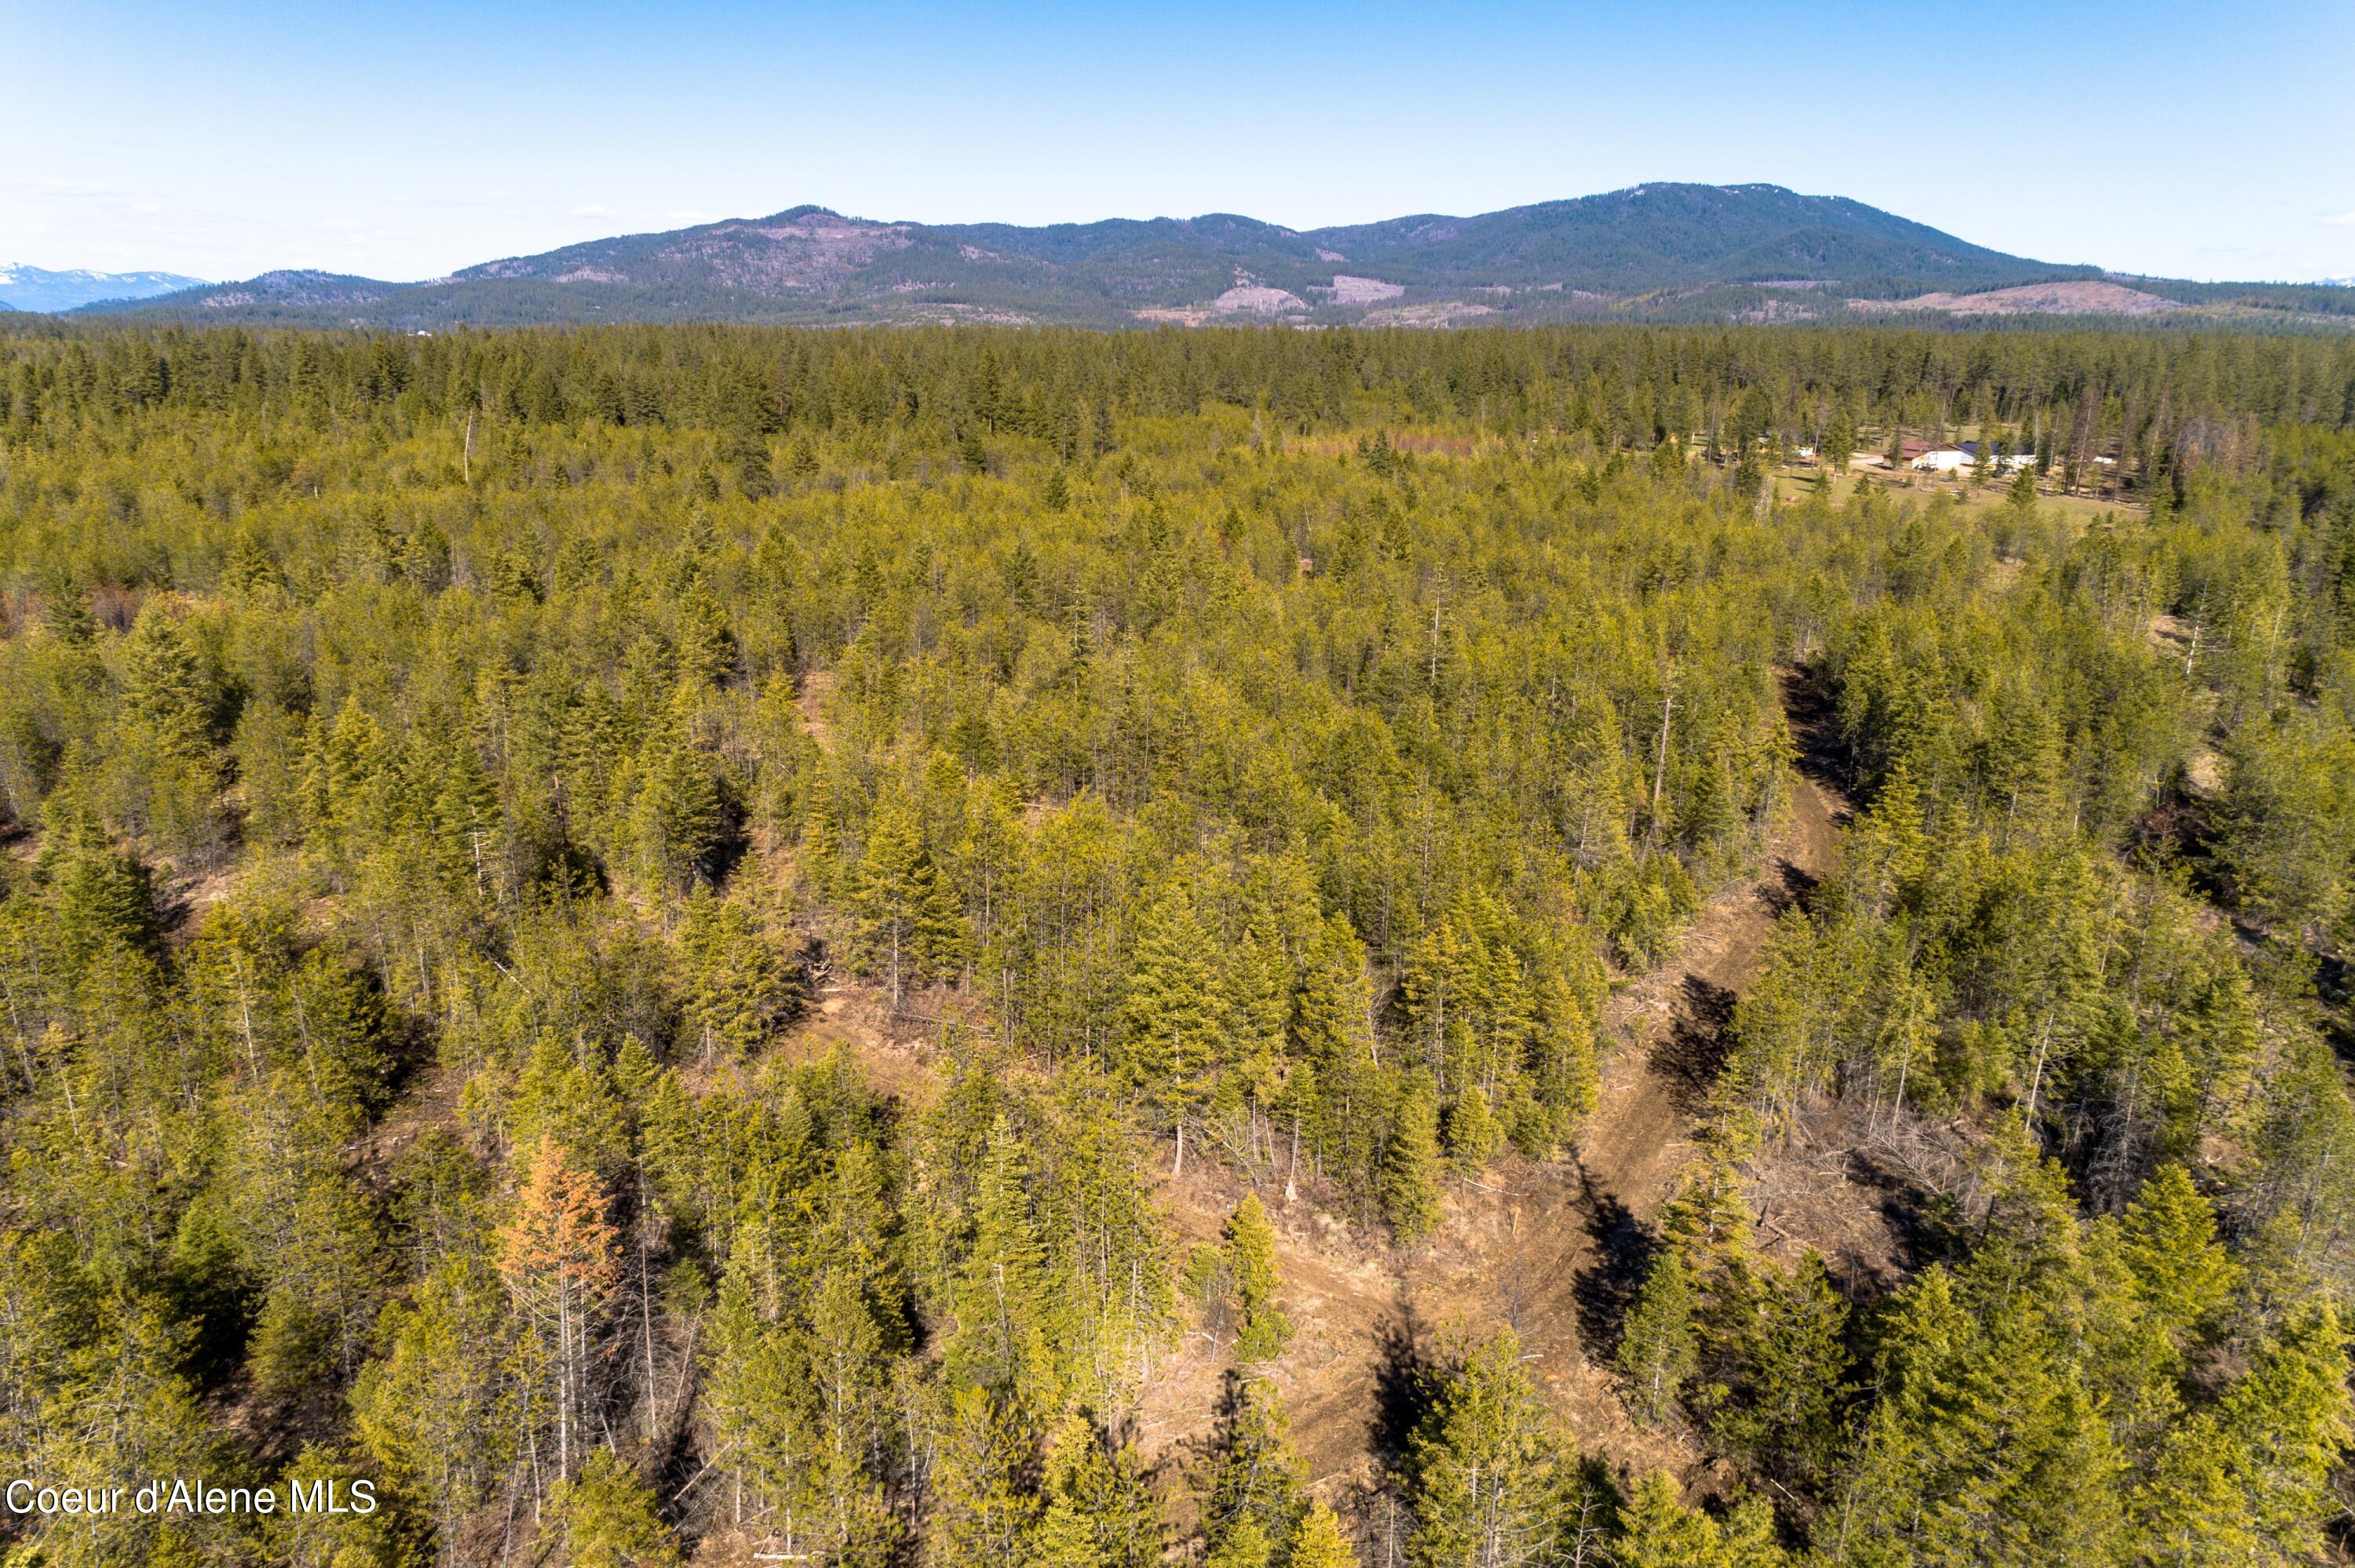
(1259,994)
(1981,1438)
(340,1044)
(1001,1336)
(1100,1511)
(1255,1487)
(1411,1163)
(1787,1414)
(707,651)
(1262,1328)
(761,1399)
(2190,1512)
(988,855)
(747,455)
(1473,1134)
(1245,1546)
(1481,1467)
(165,689)
(1659,1350)
(1658,1530)
(2022,498)
(436,1410)
(677,819)
(560,1097)
(849,1515)
(2290,1414)
(356,783)
(103,897)
(2168,1238)
(1667,461)
(607,1518)
(560,1256)
(467,821)
(65,612)
(906,927)
(984,1497)
(1320,1542)
(1173,1021)
(345,1538)
(739,987)
(1838,445)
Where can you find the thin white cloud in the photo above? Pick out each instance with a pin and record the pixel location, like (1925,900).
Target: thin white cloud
(2337,217)
(344,225)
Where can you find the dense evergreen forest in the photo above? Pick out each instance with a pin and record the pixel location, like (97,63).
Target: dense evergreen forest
(460,793)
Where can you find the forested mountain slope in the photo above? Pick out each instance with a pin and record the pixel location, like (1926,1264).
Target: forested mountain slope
(737,945)
(1662,251)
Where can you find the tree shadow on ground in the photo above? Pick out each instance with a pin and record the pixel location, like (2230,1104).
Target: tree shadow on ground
(2334,986)
(1789,889)
(1606,1287)
(1691,1053)
(1404,1383)
(1810,705)
(1901,1204)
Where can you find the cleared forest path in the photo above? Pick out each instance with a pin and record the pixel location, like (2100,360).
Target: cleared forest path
(1553,1252)
(1663,1030)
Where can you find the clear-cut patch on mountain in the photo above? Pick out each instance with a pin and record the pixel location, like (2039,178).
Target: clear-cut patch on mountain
(1349,290)
(1437,314)
(1256,299)
(2082,297)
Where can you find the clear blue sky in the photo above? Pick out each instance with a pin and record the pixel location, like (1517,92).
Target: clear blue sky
(224,138)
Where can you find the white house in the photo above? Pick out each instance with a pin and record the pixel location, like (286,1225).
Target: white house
(2005,462)
(1942,460)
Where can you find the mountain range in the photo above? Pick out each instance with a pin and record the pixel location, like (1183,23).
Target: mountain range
(1655,252)
(24,288)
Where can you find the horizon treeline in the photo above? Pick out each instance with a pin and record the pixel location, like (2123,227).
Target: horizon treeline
(2163,401)
(446,779)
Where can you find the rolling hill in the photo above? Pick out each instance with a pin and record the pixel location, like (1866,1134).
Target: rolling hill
(1655,252)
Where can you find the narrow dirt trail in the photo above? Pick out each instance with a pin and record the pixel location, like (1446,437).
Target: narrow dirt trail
(1660,1030)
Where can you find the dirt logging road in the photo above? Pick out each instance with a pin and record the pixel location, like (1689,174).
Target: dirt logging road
(1553,1252)
(1662,1030)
